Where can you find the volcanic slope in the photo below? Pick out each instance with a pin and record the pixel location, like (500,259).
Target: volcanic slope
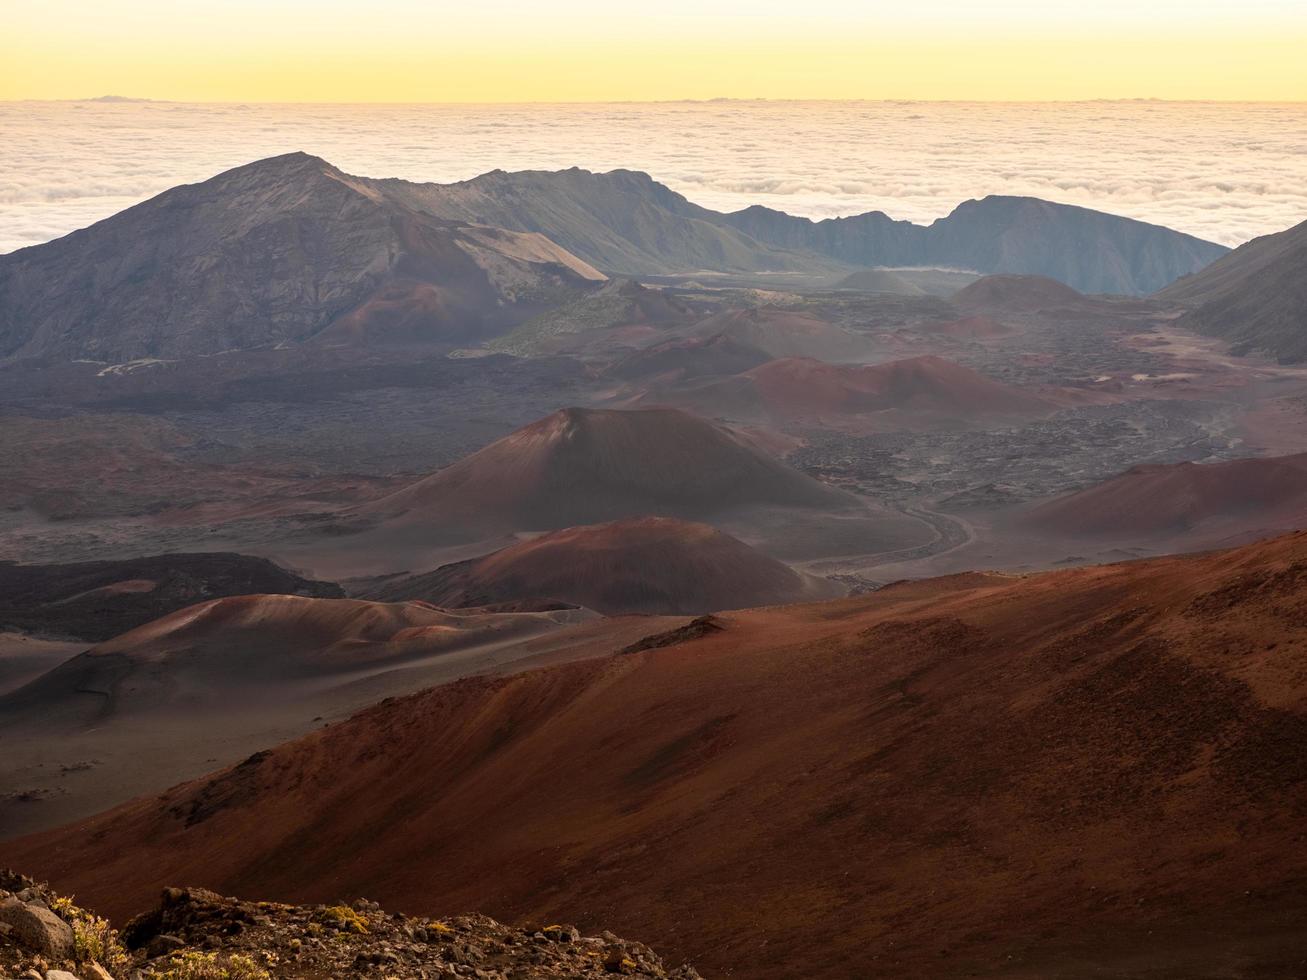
(584,466)
(1200,502)
(97,600)
(224,678)
(1255,297)
(641,565)
(684,358)
(785,333)
(279,251)
(1087,773)
(1017,294)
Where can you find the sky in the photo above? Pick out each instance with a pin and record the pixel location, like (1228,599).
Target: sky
(585,50)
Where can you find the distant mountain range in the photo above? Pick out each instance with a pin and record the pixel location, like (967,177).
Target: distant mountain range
(1255,297)
(626,222)
(292,250)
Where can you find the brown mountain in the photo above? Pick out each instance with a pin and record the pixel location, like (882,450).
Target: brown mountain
(284,250)
(582,466)
(1228,498)
(1255,297)
(96,600)
(1087,773)
(641,565)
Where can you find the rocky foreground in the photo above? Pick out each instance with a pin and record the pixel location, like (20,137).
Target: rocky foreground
(196,934)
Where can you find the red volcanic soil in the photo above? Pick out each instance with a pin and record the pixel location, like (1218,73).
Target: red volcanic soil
(581,466)
(1159,500)
(642,565)
(1088,773)
(784,333)
(1017,294)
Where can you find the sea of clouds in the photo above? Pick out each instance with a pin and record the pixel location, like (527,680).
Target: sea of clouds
(1225,172)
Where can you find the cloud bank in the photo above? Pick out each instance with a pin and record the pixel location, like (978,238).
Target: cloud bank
(1224,172)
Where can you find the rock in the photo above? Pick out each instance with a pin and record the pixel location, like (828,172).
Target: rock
(163,945)
(37,928)
(60,975)
(94,971)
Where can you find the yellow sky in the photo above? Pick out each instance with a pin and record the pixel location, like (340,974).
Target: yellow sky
(585,50)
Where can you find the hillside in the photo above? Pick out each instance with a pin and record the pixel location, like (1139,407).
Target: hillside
(681,359)
(1242,495)
(96,600)
(655,565)
(194,934)
(585,466)
(1017,294)
(1094,772)
(217,681)
(279,251)
(1255,297)
(778,332)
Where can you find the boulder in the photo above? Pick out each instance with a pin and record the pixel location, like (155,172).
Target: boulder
(37,928)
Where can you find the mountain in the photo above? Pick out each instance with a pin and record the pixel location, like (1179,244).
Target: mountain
(96,600)
(1088,250)
(285,250)
(1017,294)
(290,249)
(623,222)
(1091,772)
(617,304)
(1238,496)
(641,565)
(880,281)
(920,389)
(627,223)
(1255,297)
(683,358)
(785,333)
(583,466)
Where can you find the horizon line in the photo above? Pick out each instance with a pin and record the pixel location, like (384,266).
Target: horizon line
(141,100)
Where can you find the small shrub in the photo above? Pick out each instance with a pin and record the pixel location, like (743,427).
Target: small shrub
(207,966)
(345,918)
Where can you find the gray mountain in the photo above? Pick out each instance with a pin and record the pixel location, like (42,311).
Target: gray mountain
(283,250)
(1089,250)
(625,222)
(1255,297)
